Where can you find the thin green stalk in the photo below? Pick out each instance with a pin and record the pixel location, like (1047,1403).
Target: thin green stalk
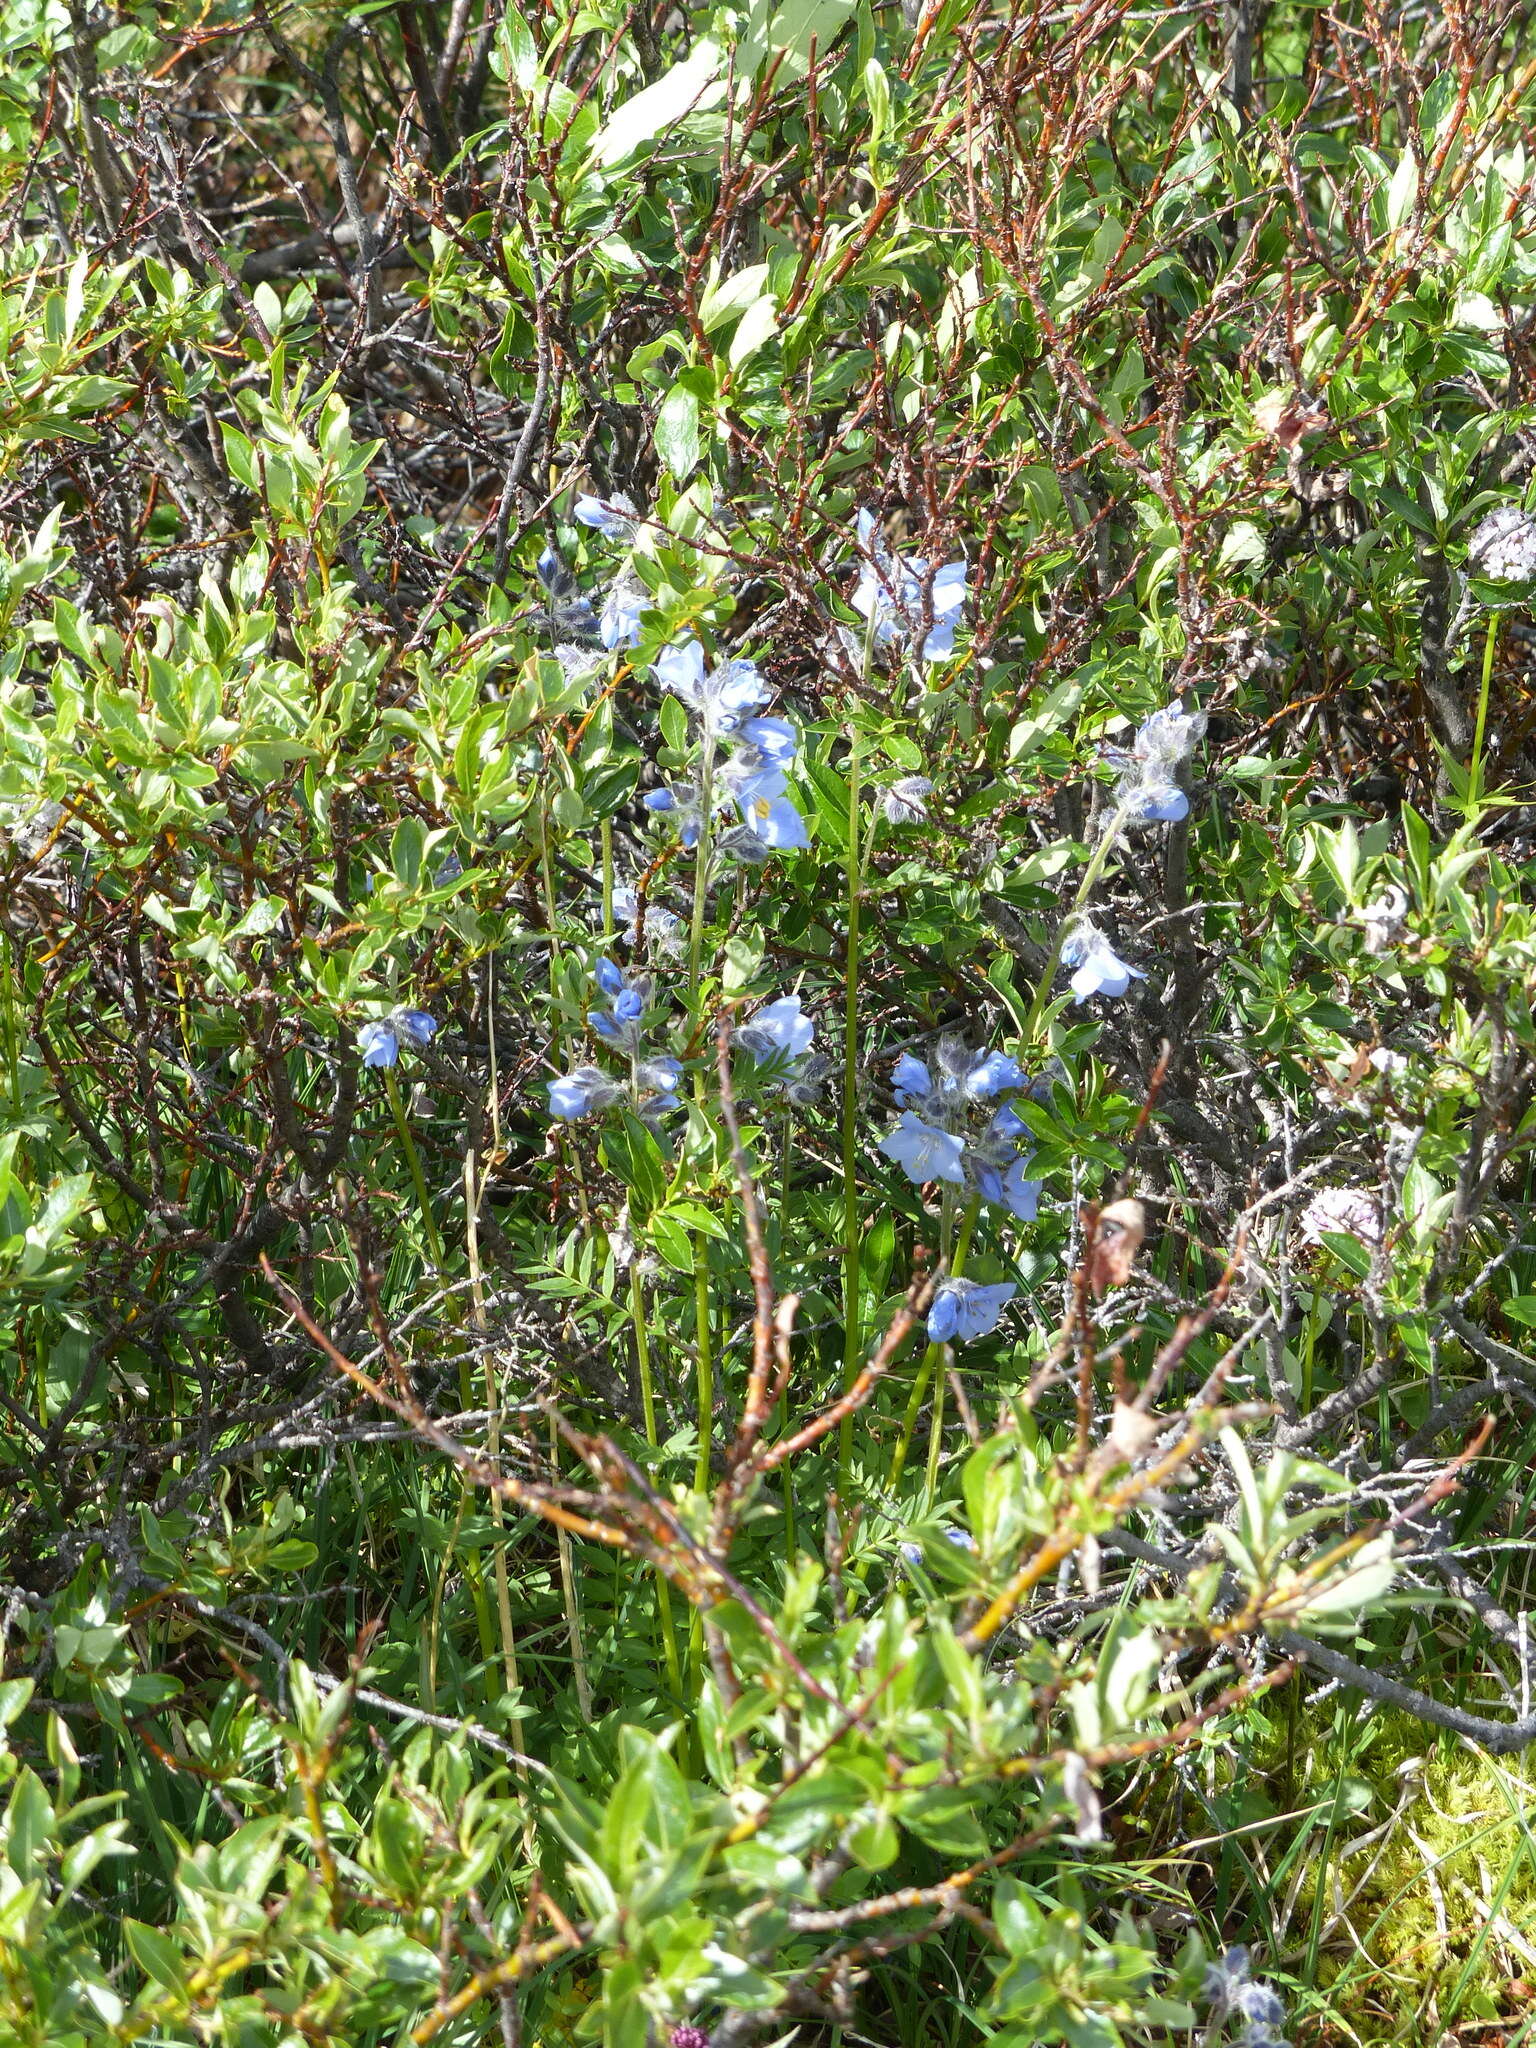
(705,1361)
(648,1411)
(568,1595)
(935,1434)
(701,855)
(932,1355)
(1091,874)
(786,1164)
(606,830)
(852,1335)
(1475,770)
(413,1160)
(473,1191)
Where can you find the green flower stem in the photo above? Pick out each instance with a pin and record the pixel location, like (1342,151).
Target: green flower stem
(852,1333)
(1475,769)
(701,855)
(931,1356)
(786,1175)
(1096,865)
(704,1359)
(648,1410)
(413,1160)
(606,830)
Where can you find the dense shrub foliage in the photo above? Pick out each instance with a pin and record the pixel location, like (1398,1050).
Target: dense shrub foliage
(766,1022)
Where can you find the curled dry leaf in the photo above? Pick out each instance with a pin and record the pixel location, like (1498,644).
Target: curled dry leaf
(1289,416)
(1121,1229)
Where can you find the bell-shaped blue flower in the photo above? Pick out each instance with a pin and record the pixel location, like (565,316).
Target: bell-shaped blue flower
(911,1080)
(964,1309)
(775,821)
(380,1041)
(619,624)
(923,1153)
(1100,970)
(1148,791)
(774,738)
(581,1093)
(656,1085)
(1159,803)
(991,1075)
(780,1031)
(613,517)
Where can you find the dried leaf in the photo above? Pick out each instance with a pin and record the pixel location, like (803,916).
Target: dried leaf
(1288,417)
(1122,1227)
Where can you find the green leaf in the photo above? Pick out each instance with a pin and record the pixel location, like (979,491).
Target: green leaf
(759,324)
(677,432)
(649,118)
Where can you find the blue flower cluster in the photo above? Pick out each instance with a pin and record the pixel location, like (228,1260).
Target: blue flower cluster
(1234,1992)
(753,774)
(651,1088)
(953,1129)
(906,603)
(1148,791)
(628,993)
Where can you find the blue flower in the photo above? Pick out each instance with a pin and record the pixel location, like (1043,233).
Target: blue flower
(903,802)
(1005,1183)
(619,625)
(990,1159)
(683,803)
(1232,1989)
(722,697)
(1100,970)
(779,1032)
(1008,1125)
(613,517)
(1159,803)
(656,1086)
(892,590)
(581,1093)
(923,1153)
(1020,1195)
(911,1080)
(963,1309)
(380,1042)
(775,821)
(912,1552)
(774,738)
(754,778)
(749,777)
(962,1539)
(992,1073)
(620,1026)
(1148,790)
